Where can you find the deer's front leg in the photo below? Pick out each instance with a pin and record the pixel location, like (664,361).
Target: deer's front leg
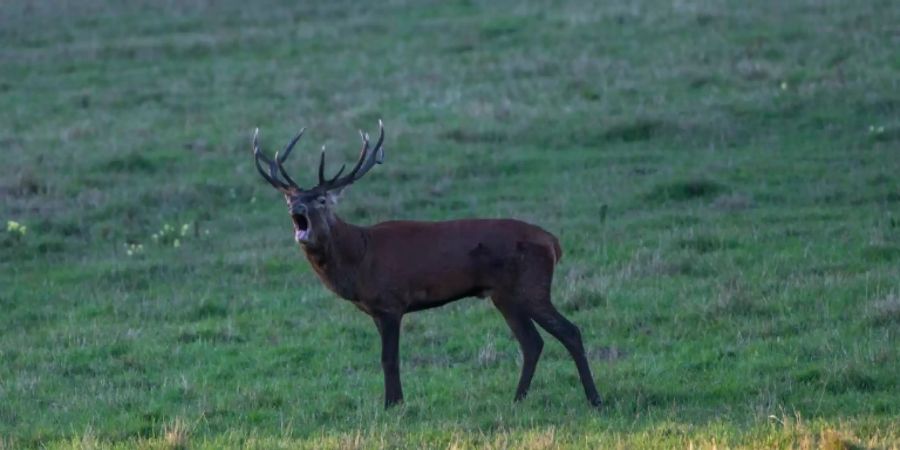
(389,328)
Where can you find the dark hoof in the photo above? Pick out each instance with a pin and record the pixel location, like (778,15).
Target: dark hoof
(388,404)
(596,402)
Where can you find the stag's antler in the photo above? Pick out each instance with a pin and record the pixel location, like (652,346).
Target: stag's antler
(272,176)
(280,159)
(367,159)
(276,167)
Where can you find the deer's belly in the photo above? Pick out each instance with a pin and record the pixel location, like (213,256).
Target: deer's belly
(432,298)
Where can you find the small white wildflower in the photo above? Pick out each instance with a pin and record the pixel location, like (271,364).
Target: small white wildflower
(871,128)
(177,243)
(206,232)
(784,85)
(133,249)
(184,229)
(880,130)
(15,227)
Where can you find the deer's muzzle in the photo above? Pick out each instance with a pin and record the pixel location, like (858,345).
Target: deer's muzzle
(301,227)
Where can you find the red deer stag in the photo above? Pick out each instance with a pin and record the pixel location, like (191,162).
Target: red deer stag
(396,267)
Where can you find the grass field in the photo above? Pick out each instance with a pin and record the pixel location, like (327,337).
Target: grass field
(723,176)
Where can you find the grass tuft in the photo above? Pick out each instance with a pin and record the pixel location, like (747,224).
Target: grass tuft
(640,129)
(684,190)
(176,435)
(131,163)
(885,312)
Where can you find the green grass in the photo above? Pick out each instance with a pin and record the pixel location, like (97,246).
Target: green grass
(723,177)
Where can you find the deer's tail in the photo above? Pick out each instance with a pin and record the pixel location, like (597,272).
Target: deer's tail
(555,249)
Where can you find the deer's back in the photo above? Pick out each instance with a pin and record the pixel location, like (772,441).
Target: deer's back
(427,240)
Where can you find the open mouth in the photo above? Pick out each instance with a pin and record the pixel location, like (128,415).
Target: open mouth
(301,227)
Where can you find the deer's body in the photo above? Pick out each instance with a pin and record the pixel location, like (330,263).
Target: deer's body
(397,267)
(402,266)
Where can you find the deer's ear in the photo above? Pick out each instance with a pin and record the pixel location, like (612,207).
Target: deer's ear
(334,195)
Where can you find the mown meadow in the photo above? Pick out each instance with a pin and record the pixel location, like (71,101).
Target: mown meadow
(723,177)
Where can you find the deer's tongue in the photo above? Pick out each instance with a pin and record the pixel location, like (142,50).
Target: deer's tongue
(300,235)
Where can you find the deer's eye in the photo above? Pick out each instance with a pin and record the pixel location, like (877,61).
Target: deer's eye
(321,200)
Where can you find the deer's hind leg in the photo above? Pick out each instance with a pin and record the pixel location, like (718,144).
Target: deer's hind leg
(529,339)
(566,332)
(533,286)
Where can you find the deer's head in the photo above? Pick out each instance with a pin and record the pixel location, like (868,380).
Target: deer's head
(310,209)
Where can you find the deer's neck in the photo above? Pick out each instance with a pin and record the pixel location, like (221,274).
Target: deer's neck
(337,261)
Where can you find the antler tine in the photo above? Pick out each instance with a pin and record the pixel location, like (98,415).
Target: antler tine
(273,173)
(339,172)
(368,157)
(322,167)
(375,156)
(290,146)
(271,177)
(322,181)
(280,159)
(379,150)
(363,153)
